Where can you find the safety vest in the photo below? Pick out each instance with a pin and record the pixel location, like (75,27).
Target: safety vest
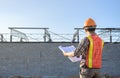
(94,55)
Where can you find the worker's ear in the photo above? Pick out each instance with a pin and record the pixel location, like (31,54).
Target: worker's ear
(86,30)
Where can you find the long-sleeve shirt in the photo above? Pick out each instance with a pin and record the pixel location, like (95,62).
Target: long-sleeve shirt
(82,48)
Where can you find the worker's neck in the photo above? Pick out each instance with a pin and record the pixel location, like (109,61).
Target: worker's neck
(91,33)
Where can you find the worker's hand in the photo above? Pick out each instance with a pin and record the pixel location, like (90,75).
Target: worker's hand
(70,54)
(65,54)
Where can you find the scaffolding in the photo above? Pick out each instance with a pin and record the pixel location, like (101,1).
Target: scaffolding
(107,34)
(15,33)
(110,35)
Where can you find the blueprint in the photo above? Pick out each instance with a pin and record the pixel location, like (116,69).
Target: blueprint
(70,49)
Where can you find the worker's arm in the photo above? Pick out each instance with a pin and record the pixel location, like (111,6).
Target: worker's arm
(70,54)
(82,47)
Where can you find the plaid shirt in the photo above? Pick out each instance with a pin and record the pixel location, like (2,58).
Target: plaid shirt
(82,48)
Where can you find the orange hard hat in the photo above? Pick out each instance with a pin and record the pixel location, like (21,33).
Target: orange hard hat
(89,23)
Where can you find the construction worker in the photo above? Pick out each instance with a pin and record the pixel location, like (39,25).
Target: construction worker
(90,48)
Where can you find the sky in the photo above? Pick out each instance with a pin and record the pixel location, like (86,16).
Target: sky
(60,16)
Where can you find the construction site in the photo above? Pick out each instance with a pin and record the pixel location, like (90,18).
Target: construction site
(36,55)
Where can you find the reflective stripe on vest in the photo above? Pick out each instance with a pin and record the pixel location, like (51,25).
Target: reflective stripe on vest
(94,57)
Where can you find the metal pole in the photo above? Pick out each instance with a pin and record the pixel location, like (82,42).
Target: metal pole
(11,35)
(110,35)
(45,34)
(78,36)
(77,33)
(1,37)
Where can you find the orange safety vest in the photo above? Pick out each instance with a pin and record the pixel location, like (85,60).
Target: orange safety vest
(94,56)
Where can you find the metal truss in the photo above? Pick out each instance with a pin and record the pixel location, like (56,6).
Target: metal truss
(111,35)
(23,36)
(107,34)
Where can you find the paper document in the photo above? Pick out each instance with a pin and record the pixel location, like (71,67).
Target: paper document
(70,49)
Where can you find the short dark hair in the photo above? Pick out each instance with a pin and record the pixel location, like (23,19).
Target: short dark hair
(90,29)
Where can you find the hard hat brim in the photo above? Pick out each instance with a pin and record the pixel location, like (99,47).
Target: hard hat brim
(89,27)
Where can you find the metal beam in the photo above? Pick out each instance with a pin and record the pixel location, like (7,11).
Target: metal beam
(26,28)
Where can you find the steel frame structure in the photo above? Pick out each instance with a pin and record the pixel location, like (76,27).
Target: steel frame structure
(107,34)
(111,33)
